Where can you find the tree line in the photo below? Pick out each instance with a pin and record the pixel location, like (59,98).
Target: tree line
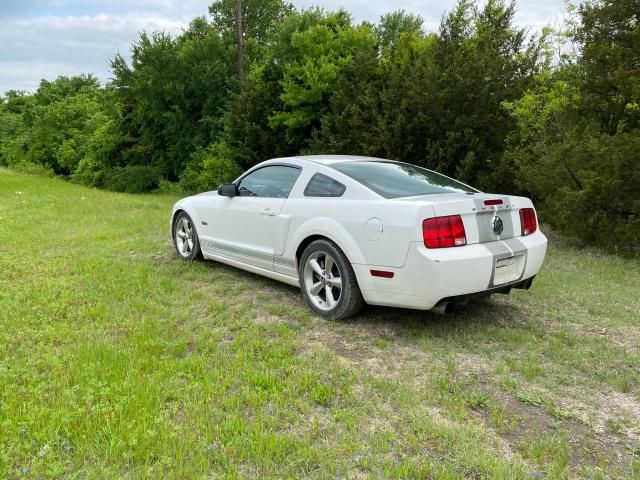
(551,115)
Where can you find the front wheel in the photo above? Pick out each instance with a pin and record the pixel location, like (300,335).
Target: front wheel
(185,237)
(328,283)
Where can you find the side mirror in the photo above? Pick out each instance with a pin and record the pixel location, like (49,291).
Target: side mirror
(228,190)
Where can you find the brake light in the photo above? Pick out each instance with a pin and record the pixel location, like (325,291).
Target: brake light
(443,232)
(528,221)
(496,201)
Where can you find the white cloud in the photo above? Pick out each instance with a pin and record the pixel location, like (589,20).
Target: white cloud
(20,75)
(45,47)
(46,38)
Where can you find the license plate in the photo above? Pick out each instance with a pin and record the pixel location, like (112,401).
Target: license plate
(508,269)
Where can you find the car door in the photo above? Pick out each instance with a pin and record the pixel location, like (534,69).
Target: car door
(243,227)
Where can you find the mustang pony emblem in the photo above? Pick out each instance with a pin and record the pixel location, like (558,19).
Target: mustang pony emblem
(497,225)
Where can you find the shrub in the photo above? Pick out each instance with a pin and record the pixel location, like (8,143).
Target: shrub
(33,169)
(601,204)
(133,179)
(165,187)
(208,168)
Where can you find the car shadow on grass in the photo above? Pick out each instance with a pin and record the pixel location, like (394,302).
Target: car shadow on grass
(482,310)
(491,311)
(474,317)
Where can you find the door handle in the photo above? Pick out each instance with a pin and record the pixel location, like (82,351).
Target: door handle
(268,212)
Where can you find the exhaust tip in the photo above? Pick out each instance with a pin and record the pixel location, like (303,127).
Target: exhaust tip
(443,307)
(526,285)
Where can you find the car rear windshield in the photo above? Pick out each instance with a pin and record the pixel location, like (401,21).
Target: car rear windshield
(395,179)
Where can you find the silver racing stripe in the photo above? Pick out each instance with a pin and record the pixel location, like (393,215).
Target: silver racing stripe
(505,249)
(218,247)
(516,245)
(245,252)
(287,262)
(484,219)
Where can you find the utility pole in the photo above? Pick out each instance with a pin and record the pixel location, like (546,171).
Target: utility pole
(240,46)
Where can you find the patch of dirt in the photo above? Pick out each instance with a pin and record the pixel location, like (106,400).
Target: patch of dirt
(400,363)
(178,414)
(397,363)
(586,446)
(468,364)
(339,345)
(590,441)
(606,407)
(625,337)
(268,320)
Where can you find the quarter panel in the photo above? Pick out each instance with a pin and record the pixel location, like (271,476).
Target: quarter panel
(345,222)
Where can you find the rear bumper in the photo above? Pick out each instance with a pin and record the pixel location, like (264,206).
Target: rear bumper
(431,275)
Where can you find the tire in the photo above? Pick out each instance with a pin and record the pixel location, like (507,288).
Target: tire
(185,238)
(333,294)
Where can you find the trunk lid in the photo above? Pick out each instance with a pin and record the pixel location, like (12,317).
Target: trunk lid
(497,219)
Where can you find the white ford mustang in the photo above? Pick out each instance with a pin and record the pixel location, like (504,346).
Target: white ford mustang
(354,230)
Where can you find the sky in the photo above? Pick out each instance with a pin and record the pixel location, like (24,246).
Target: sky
(47,38)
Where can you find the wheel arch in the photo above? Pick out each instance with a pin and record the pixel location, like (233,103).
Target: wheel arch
(324,228)
(187,206)
(336,234)
(176,212)
(308,241)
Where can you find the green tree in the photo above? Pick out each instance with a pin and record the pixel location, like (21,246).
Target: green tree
(576,144)
(259,18)
(172,97)
(609,37)
(585,180)
(102,154)
(209,168)
(392,25)
(312,61)
(15,108)
(352,121)
(247,129)
(409,112)
(287,95)
(482,60)
(51,128)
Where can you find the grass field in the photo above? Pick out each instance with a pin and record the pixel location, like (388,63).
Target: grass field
(119,360)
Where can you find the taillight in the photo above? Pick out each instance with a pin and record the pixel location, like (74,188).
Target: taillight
(528,221)
(442,232)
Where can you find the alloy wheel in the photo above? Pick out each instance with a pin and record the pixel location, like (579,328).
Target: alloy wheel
(322,280)
(184,237)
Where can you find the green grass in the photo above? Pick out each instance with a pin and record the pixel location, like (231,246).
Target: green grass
(119,360)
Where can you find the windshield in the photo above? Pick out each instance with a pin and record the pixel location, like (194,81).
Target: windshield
(395,179)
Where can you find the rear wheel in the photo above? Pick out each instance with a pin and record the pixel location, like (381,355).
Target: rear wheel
(185,237)
(328,282)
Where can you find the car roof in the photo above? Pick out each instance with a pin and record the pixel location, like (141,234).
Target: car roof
(329,159)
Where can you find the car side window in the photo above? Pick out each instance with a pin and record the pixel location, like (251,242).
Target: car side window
(274,181)
(322,186)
